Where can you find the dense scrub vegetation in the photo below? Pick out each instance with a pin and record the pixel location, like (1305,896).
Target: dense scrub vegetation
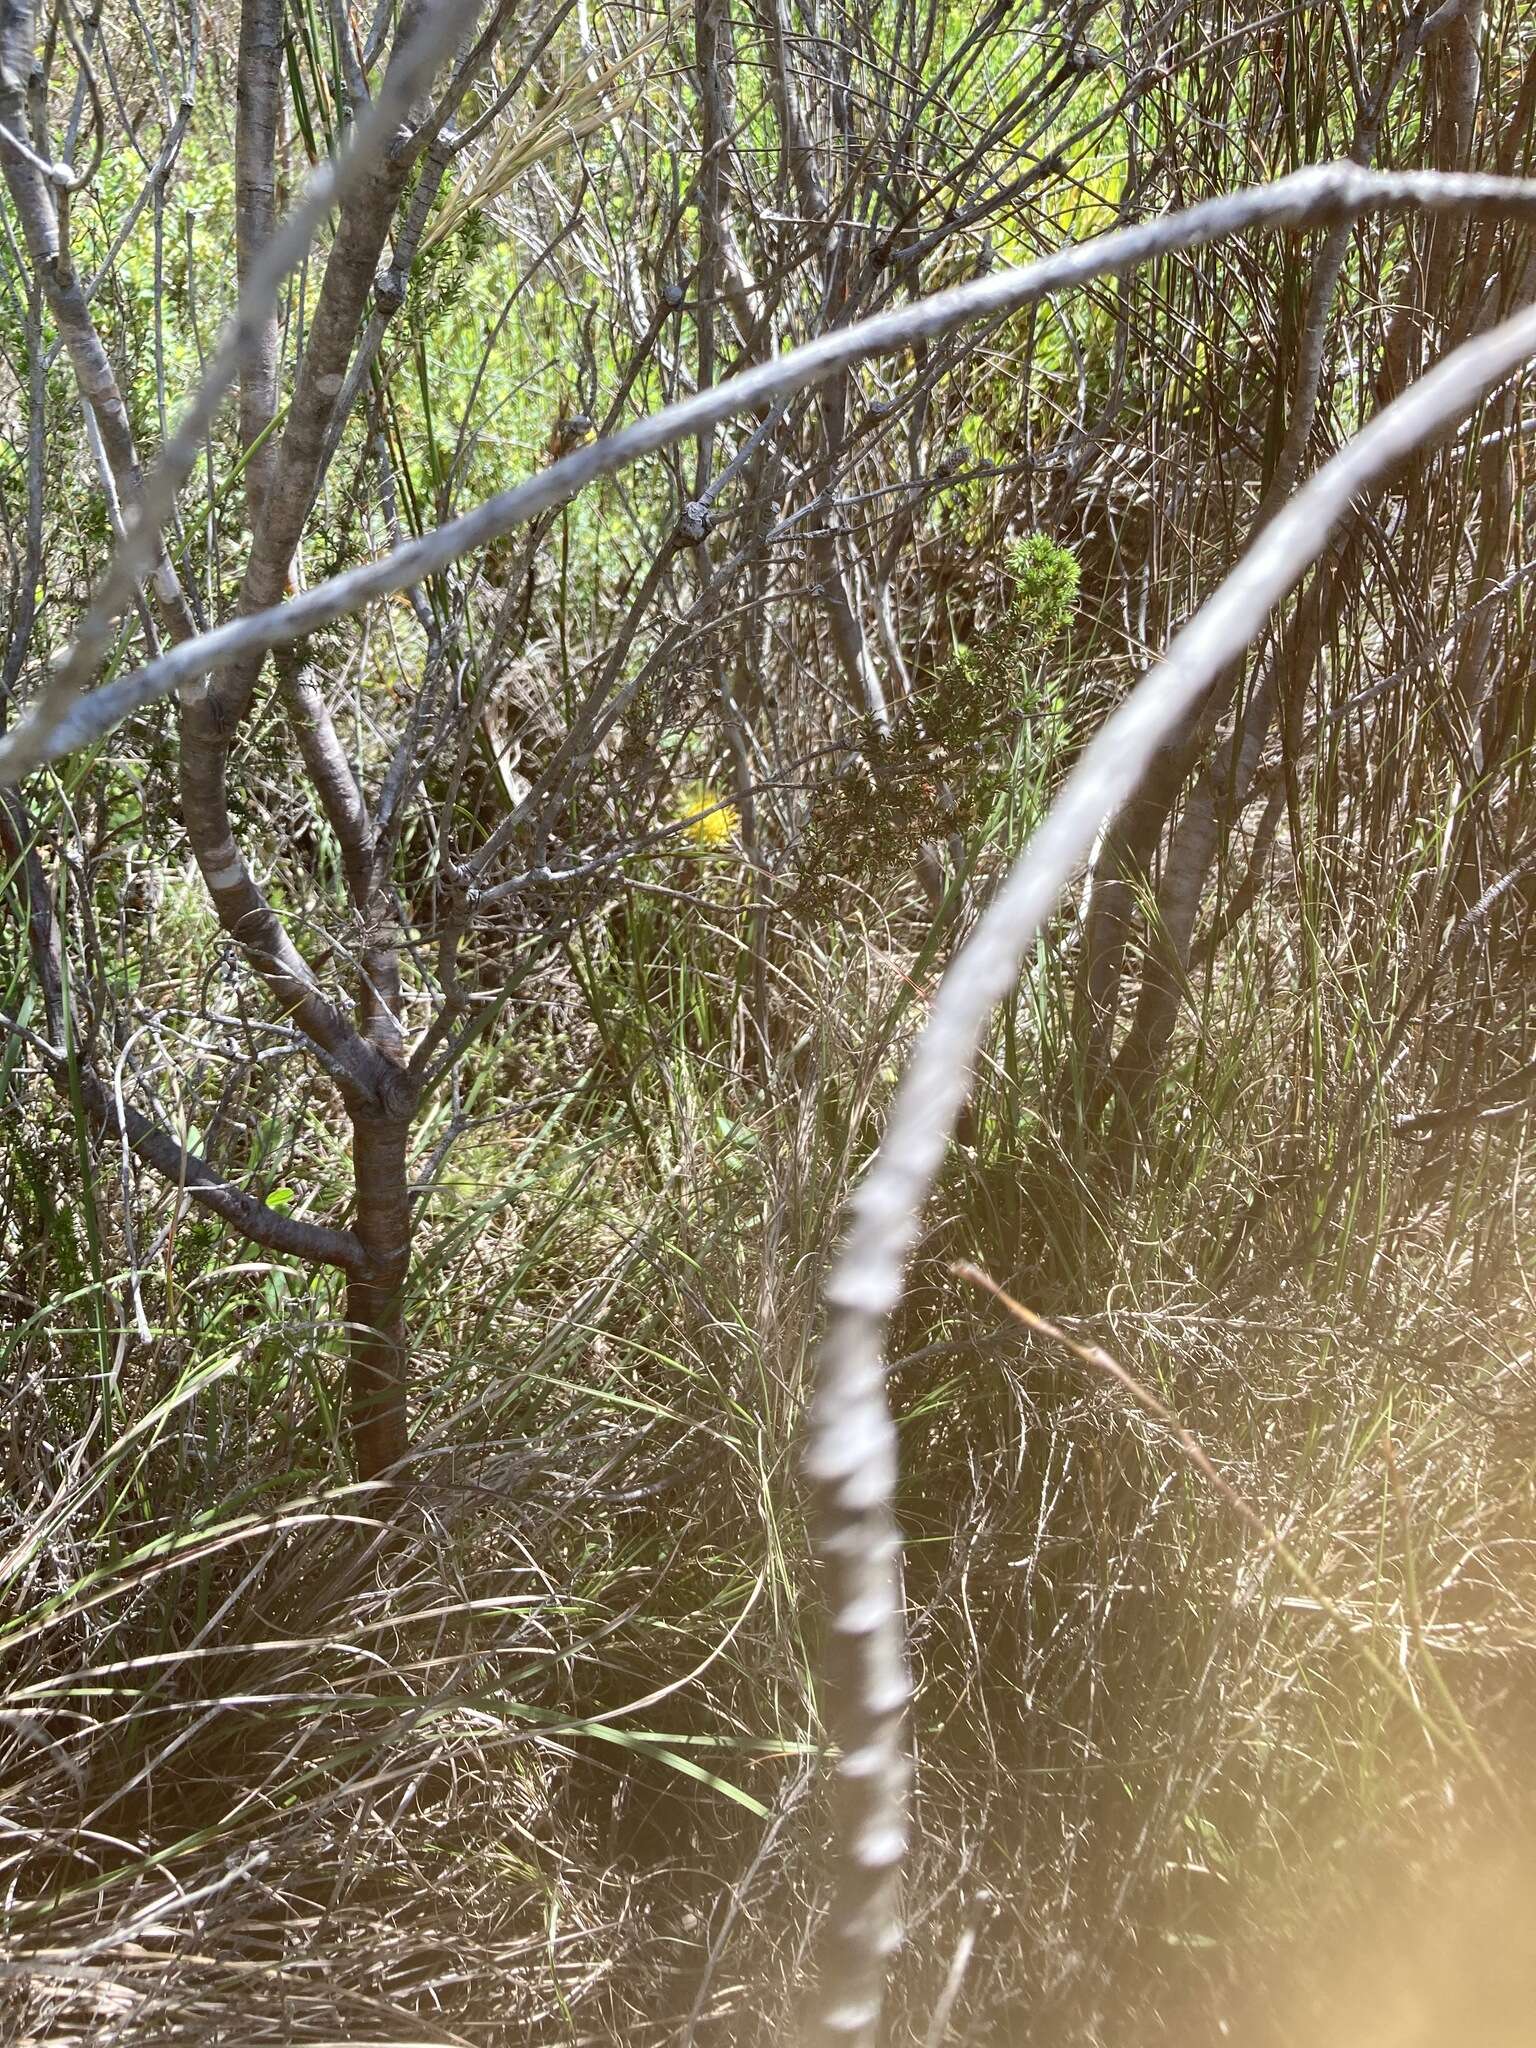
(438,1044)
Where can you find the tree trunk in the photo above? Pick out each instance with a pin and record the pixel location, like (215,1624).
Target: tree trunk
(379,1362)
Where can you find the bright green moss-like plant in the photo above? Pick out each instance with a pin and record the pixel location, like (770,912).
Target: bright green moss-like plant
(1046,576)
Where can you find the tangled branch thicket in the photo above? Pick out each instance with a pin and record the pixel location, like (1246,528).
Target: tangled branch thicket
(627,626)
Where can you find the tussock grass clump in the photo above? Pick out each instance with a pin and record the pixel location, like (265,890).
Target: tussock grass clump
(532,1758)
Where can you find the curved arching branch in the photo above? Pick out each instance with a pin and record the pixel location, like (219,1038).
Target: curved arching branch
(1321,195)
(851,1455)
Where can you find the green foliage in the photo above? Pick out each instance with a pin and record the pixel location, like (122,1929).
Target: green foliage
(1046,577)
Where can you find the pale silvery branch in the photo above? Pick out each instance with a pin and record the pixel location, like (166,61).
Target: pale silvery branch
(1321,195)
(851,1455)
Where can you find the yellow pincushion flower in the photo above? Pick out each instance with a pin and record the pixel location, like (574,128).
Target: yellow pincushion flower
(709,821)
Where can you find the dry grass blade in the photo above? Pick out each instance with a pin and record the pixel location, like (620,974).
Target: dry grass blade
(577,108)
(1194,1452)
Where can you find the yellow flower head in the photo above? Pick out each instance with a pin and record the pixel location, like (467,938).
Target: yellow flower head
(708,820)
